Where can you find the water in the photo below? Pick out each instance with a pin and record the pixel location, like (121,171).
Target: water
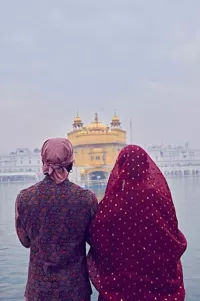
(14,258)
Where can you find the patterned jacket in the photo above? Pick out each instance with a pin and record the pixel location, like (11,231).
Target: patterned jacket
(53,220)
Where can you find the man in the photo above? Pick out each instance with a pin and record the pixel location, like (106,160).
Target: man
(52,219)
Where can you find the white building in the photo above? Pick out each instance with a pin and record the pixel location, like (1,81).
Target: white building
(21,164)
(22,160)
(176,160)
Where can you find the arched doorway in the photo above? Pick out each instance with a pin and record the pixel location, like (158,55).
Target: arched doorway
(98,175)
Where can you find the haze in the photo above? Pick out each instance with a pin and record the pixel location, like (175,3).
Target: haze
(139,57)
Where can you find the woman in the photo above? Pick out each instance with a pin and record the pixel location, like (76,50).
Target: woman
(136,242)
(52,219)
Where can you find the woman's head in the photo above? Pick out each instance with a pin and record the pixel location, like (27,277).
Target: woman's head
(135,170)
(133,161)
(131,167)
(57,157)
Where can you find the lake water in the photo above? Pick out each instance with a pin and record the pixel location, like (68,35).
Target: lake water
(14,258)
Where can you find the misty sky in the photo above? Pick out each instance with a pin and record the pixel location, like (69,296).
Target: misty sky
(140,57)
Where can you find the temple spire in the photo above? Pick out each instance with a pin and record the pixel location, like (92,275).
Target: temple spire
(96,119)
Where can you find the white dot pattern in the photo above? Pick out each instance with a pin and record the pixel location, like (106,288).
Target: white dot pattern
(136,243)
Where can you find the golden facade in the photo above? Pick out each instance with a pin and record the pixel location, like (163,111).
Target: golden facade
(96,147)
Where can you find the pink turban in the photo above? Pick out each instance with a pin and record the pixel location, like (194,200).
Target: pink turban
(57,154)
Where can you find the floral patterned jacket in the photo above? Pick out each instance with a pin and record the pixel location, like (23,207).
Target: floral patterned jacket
(53,220)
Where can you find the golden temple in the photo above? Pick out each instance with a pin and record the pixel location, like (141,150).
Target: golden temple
(96,147)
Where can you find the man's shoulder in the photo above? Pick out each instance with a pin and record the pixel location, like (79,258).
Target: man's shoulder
(29,191)
(82,192)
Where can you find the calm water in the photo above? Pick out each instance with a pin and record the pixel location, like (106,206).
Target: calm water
(14,258)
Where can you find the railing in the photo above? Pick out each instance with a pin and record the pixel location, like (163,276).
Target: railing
(91,183)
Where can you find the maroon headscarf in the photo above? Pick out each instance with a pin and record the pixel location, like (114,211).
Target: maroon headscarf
(136,243)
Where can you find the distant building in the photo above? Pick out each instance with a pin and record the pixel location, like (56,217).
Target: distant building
(20,165)
(22,160)
(176,160)
(96,148)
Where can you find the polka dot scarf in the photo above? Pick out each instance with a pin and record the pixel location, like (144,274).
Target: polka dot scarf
(136,244)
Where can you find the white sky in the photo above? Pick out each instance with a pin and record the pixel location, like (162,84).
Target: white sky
(139,57)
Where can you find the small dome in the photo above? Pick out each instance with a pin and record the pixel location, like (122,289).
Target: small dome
(115,123)
(115,118)
(77,124)
(77,119)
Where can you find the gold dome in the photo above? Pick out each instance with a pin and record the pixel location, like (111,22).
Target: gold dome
(115,123)
(78,124)
(115,118)
(77,119)
(96,125)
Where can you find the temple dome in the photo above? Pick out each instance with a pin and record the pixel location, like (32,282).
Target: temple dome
(96,125)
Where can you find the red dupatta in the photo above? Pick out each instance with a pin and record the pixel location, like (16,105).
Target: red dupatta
(136,244)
